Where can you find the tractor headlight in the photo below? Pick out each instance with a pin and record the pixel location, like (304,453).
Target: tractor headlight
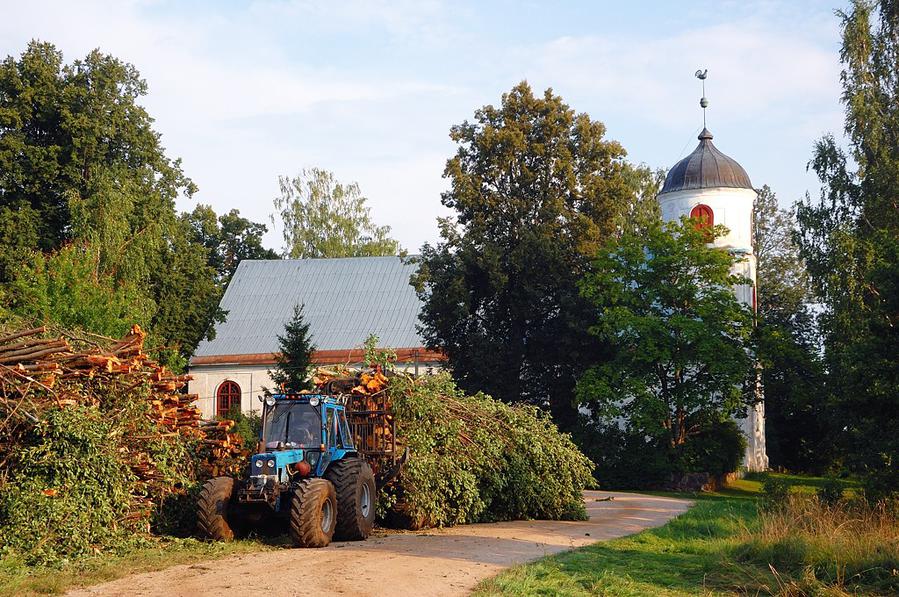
(271,464)
(312,457)
(314,401)
(270,400)
(259,463)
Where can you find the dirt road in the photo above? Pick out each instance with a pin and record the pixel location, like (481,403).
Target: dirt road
(437,562)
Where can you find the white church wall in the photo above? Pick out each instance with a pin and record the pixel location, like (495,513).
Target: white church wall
(253,380)
(731,207)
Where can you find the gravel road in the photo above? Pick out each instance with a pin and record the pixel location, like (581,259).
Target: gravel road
(437,562)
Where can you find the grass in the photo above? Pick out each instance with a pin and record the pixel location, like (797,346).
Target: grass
(724,546)
(18,579)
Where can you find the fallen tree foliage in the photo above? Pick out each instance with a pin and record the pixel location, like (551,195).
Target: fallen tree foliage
(476,459)
(472,458)
(94,438)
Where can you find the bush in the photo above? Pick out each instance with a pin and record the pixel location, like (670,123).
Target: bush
(775,492)
(630,460)
(247,425)
(476,459)
(831,492)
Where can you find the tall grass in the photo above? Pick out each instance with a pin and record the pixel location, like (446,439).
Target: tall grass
(812,547)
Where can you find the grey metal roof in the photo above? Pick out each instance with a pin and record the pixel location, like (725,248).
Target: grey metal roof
(706,168)
(344,301)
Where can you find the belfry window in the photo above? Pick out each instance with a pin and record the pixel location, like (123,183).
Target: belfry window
(703,216)
(227,397)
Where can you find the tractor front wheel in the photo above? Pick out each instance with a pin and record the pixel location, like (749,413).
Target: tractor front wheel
(213,508)
(357,498)
(313,513)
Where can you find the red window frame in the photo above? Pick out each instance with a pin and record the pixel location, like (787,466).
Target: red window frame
(227,396)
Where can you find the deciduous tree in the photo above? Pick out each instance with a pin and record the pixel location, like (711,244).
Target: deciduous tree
(849,239)
(323,217)
(797,423)
(535,189)
(680,340)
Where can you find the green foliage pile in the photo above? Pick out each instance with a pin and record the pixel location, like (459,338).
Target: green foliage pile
(476,459)
(70,488)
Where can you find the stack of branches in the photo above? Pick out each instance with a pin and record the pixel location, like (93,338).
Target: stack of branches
(472,458)
(39,375)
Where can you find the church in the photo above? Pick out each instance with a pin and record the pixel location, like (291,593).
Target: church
(347,299)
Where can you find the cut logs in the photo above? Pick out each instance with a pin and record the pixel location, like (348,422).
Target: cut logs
(39,373)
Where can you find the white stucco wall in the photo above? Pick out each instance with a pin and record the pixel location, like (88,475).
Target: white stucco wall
(733,209)
(252,379)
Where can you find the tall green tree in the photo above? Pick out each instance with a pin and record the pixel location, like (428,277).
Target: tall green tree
(535,189)
(643,212)
(680,340)
(228,238)
(849,239)
(797,424)
(81,163)
(323,217)
(294,360)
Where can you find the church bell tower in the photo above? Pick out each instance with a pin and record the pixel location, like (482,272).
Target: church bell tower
(714,188)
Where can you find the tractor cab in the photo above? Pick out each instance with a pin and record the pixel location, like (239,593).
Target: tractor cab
(302,434)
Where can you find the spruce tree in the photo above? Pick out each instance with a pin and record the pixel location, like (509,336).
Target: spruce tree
(295,357)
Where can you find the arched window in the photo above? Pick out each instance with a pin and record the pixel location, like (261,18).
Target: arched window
(228,396)
(703,216)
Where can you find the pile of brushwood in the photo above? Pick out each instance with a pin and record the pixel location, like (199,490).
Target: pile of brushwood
(98,445)
(476,459)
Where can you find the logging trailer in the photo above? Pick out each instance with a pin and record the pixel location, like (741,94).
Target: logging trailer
(319,466)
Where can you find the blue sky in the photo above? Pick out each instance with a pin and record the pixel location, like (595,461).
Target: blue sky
(246,91)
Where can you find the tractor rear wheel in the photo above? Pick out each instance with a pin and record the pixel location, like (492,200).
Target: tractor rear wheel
(357,498)
(214,509)
(313,513)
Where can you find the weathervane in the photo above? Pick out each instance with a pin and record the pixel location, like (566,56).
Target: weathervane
(703,102)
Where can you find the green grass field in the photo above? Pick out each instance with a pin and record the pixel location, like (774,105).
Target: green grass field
(713,549)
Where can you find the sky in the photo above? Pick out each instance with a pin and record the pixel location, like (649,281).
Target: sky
(244,92)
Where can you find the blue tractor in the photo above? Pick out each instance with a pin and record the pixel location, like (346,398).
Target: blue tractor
(307,474)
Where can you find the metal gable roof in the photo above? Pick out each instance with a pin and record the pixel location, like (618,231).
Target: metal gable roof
(344,300)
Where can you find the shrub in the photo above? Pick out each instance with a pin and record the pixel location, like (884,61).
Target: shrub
(630,460)
(477,459)
(831,491)
(247,425)
(775,492)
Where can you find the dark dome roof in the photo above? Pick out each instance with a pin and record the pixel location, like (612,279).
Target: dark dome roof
(706,168)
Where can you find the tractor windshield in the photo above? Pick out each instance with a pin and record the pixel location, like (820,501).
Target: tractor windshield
(292,425)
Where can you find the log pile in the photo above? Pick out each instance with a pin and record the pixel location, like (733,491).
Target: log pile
(39,373)
(369,411)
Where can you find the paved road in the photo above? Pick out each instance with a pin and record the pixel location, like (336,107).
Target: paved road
(438,562)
